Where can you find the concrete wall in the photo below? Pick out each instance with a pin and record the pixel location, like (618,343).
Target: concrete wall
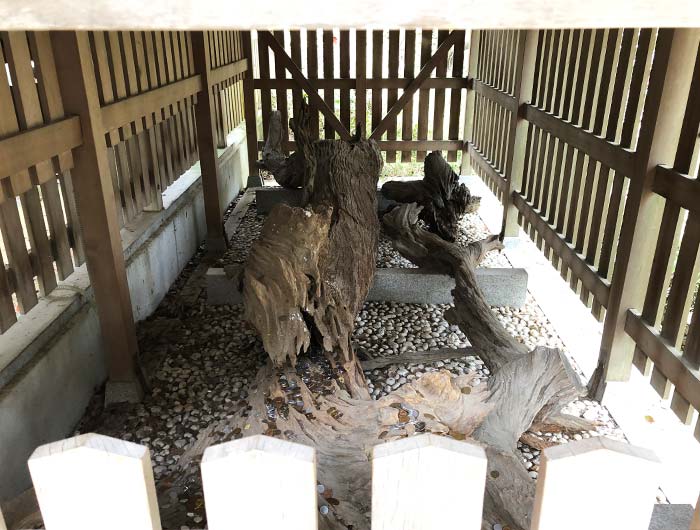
(52,360)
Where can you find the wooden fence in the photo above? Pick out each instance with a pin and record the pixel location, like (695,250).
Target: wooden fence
(404,87)
(584,135)
(424,482)
(139,91)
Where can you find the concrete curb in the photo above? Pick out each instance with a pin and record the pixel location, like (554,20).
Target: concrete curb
(501,287)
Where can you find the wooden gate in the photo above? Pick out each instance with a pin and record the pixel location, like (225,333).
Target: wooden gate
(403,103)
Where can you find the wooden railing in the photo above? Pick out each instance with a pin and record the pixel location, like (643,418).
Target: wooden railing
(146,86)
(584,135)
(427,482)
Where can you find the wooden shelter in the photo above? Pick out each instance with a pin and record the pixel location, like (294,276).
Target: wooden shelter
(590,138)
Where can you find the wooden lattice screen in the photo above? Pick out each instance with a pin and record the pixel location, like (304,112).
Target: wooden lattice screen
(404,87)
(147,88)
(571,129)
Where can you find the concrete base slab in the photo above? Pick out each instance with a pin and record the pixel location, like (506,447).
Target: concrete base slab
(671,517)
(501,287)
(222,289)
(122,392)
(255,181)
(267,198)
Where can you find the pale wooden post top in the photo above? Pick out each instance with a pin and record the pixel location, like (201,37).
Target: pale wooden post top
(262,483)
(94,480)
(424,441)
(3,526)
(695,525)
(596,483)
(428,482)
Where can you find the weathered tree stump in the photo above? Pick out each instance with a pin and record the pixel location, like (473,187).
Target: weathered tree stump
(304,283)
(443,198)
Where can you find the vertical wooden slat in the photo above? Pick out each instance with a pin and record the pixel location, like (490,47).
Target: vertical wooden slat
(265,96)
(295,44)
(456,95)
(249,106)
(424,93)
(439,99)
(344,74)
(471,107)
(392,93)
(328,73)
(360,83)
(409,73)
(96,206)
(281,73)
(312,69)
(377,53)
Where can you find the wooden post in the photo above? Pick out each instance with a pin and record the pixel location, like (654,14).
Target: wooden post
(238,491)
(465,167)
(695,524)
(94,481)
(595,483)
(206,142)
(96,205)
(428,482)
(664,109)
(251,125)
(526,56)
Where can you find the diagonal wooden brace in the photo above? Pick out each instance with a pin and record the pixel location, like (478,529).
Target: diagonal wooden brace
(314,99)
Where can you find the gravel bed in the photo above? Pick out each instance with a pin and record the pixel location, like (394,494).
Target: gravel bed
(202,358)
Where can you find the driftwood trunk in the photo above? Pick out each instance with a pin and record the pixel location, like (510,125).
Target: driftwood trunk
(443,198)
(309,273)
(306,279)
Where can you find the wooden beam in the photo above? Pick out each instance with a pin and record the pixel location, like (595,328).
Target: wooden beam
(399,145)
(526,57)
(613,155)
(133,108)
(226,72)
(314,99)
(480,160)
(499,97)
(349,83)
(410,89)
(505,14)
(682,190)
(206,142)
(664,108)
(97,205)
(28,148)
(669,360)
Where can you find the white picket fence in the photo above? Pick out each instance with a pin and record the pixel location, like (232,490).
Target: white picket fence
(425,482)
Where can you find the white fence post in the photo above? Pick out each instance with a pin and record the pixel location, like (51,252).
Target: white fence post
(695,525)
(94,481)
(596,483)
(260,483)
(428,482)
